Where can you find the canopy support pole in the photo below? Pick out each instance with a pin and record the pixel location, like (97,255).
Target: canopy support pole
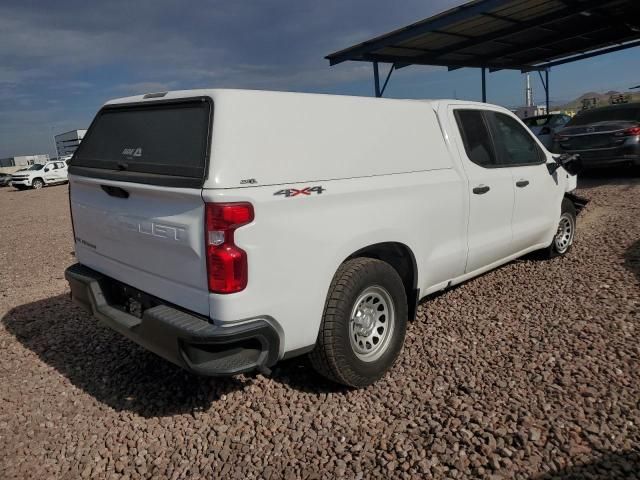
(545,85)
(484,84)
(376,77)
(546,88)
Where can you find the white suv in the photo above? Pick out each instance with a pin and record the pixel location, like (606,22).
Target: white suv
(225,230)
(40,174)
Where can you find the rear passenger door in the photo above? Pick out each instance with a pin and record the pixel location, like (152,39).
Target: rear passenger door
(62,171)
(535,191)
(491,192)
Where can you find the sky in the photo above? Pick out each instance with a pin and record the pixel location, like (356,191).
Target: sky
(60,61)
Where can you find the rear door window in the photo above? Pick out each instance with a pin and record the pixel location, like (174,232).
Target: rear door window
(166,138)
(476,137)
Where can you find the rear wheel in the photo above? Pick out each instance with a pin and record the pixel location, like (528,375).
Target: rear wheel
(364,323)
(566,231)
(37,184)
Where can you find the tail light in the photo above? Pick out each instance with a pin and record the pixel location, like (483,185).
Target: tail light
(227,267)
(629,132)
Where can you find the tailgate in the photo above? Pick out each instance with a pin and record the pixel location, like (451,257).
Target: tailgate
(136,201)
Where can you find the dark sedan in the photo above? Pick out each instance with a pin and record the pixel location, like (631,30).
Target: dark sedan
(603,136)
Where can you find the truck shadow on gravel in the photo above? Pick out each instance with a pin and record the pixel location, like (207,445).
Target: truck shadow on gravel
(619,176)
(613,466)
(632,259)
(123,375)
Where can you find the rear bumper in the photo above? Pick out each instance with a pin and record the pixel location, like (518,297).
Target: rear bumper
(186,339)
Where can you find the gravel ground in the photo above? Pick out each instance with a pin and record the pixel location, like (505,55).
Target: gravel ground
(530,371)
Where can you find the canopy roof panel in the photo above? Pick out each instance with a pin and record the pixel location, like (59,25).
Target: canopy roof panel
(507,34)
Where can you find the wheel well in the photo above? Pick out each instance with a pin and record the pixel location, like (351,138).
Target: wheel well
(578,202)
(401,258)
(38,178)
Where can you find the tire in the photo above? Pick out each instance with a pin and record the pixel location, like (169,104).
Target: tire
(347,351)
(564,236)
(37,184)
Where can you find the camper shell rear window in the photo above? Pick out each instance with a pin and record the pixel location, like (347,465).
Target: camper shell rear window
(162,142)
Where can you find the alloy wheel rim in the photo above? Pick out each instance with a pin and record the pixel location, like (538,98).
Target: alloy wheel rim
(564,234)
(371,323)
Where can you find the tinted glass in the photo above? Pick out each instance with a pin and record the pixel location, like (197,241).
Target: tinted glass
(514,143)
(476,138)
(536,121)
(166,138)
(606,114)
(560,120)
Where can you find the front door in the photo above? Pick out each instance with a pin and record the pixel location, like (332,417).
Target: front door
(491,192)
(535,191)
(535,207)
(49,173)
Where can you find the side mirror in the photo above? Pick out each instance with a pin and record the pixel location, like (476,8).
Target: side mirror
(46,169)
(570,162)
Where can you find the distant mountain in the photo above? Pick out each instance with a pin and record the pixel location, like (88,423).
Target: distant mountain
(590,94)
(600,99)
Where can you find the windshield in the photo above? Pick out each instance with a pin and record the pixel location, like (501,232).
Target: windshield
(607,114)
(536,121)
(37,166)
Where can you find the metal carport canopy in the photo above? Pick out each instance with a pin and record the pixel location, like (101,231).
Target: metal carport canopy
(523,35)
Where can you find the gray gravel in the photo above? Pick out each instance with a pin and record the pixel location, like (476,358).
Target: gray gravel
(530,371)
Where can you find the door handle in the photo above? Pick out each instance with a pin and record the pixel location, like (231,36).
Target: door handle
(481,189)
(115,191)
(522,183)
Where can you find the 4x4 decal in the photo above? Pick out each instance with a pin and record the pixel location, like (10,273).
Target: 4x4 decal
(294,192)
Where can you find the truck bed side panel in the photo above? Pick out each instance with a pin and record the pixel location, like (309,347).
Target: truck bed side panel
(296,244)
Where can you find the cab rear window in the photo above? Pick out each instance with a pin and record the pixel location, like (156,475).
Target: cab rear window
(168,138)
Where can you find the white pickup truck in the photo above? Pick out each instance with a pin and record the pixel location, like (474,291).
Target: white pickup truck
(225,230)
(40,174)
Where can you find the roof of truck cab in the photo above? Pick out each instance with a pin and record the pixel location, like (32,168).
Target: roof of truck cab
(215,92)
(267,138)
(270,94)
(273,138)
(219,92)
